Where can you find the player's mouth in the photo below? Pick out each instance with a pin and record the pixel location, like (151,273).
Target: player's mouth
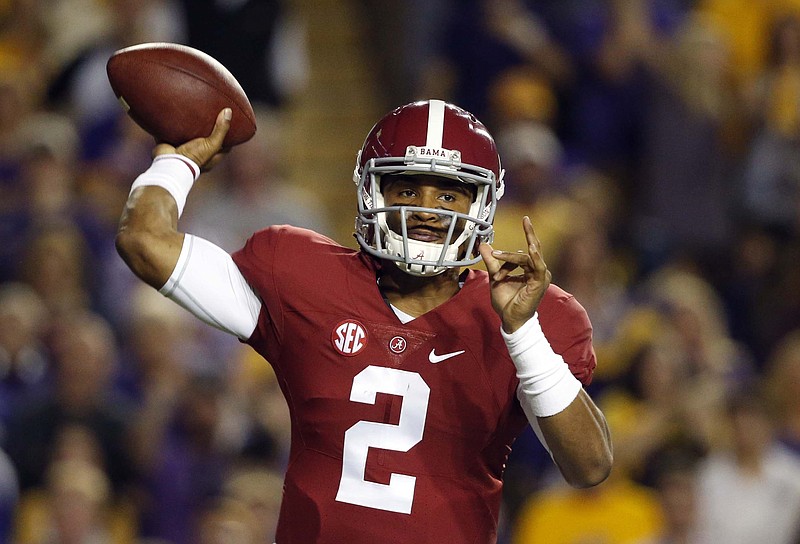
(426,234)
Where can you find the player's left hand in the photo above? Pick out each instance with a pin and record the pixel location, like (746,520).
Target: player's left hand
(516,297)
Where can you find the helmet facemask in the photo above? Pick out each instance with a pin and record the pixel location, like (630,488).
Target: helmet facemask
(465,231)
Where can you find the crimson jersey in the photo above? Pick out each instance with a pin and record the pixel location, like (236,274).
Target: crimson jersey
(400,433)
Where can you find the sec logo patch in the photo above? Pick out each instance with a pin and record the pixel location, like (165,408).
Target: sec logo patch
(349,337)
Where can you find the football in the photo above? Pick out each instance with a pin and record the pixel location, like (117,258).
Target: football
(174,92)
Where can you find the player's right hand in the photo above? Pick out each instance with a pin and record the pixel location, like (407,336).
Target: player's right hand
(516,298)
(205,152)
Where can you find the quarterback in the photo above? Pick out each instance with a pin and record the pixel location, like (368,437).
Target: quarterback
(408,375)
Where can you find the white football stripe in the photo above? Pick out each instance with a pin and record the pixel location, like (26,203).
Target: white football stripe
(435,123)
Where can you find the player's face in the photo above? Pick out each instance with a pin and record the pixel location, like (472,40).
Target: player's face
(425,191)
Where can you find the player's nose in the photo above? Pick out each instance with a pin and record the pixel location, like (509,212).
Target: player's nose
(423,216)
(427,199)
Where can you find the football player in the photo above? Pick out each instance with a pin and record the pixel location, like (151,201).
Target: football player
(408,375)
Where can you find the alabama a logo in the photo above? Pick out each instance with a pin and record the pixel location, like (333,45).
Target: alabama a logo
(349,337)
(398,344)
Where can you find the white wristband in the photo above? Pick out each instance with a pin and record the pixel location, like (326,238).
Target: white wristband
(546,385)
(173,172)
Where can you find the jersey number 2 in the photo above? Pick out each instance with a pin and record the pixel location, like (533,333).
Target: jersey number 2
(398,494)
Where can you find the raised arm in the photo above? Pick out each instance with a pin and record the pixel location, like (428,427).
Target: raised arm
(193,272)
(562,413)
(148,239)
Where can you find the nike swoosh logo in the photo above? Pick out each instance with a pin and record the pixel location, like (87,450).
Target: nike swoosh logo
(432,357)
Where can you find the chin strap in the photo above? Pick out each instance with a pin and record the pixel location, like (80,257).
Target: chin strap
(418,251)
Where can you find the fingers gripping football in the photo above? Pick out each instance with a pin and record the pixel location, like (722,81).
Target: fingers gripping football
(205,152)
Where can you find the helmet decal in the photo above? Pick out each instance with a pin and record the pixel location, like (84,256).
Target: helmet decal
(435,123)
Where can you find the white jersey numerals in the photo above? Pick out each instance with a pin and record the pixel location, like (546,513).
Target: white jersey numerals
(398,494)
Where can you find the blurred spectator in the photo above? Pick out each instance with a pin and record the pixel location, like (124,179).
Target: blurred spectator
(71,26)
(657,405)
(483,39)
(253,39)
(24,361)
(532,156)
(41,187)
(691,132)
(16,101)
(779,311)
(251,192)
(182,457)
(587,261)
(747,285)
(749,488)
(573,224)
(615,512)
(260,491)
(748,26)
(764,297)
(22,75)
(559,215)
(85,354)
(9,494)
(50,226)
(604,103)
(227,521)
(782,377)
(533,159)
(162,346)
(78,493)
(47,167)
(400,43)
(534,187)
(256,394)
(56,264)
(698,329)
(771,186)
(77,504)
(675,482)
(194,419)
(520,95)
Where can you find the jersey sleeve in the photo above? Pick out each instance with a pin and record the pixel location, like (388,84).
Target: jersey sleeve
(257,261)
(279,263)
(569,330)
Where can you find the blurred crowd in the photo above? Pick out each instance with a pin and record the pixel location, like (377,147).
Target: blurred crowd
(654,143)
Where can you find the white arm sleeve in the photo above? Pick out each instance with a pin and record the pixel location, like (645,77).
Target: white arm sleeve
(208,283)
